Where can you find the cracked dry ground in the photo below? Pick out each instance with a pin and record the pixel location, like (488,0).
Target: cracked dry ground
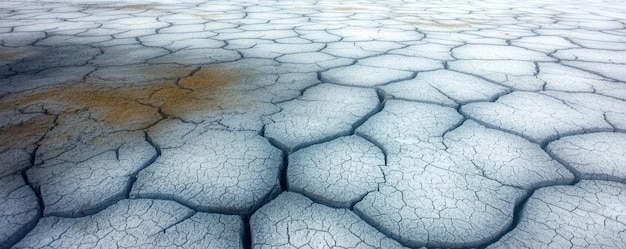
(312,124)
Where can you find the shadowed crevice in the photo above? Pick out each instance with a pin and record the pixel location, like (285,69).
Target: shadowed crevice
(133,176)
(246,234)
(284,181)
(517,215)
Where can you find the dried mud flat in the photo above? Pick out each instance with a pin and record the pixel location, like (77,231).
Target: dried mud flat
(312,124)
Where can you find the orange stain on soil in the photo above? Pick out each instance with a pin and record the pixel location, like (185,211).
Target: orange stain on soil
(209,80)
(25,134)
(125,107)
(202,91)
(7,56)
(12,55)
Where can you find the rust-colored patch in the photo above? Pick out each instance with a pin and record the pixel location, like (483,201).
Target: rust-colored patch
(108,104)
(124,107)
(12,55)
(200,92)
(7,56)
(25,134)
(209,79)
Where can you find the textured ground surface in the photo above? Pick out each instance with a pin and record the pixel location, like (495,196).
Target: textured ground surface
(312,124)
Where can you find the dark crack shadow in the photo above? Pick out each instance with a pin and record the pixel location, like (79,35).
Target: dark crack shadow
(517,216)
(246,234)
(133,176)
